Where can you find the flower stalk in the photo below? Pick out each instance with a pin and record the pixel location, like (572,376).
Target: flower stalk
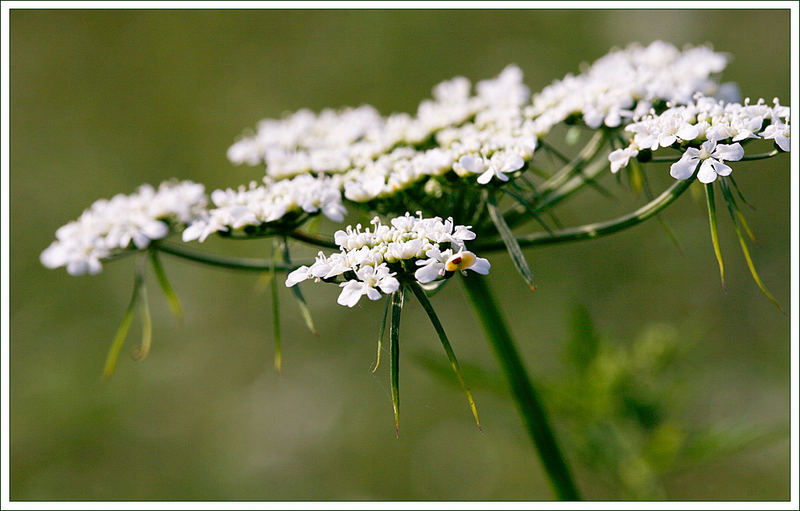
(525,395)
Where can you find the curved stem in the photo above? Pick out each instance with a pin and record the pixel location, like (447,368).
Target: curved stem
(298,235)
(310,239)
(527,398)
(595,230)
(236,263)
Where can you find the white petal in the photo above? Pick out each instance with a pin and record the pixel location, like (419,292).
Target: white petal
(298,275)
(683,168)
(351,293)
(389,285)
(688,132)
(783,142)
(728,152)
(720,168)
(372,293)
(481,266)
(486,177)
(470,163)
(429,272)
(706,173)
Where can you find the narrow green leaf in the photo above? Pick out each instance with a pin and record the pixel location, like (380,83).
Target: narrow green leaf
(712,222)
(276,313)
(147,325)
(528,207)
(169,292)
(394,338)
(739,191)
(298,295)
(510,242)
(451,356)
(122,331)
(745,250)
(380,334)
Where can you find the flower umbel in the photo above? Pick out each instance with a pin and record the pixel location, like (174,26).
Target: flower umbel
(374,261)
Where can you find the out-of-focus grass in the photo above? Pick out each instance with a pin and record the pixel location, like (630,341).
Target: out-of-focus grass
(102,101)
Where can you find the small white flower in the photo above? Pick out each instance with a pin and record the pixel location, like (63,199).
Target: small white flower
(370,278)
(619,158)
(711,155)
(499,166)
(780,133)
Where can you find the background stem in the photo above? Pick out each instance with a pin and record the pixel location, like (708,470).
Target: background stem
(524,393)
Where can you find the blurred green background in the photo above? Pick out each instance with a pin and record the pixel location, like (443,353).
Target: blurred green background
(102,101)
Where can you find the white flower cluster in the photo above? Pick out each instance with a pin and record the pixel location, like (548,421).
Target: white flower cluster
(314,161)
(702,125)
(270,202)
(337,141)
(109,226)
(370,260)
(624,84)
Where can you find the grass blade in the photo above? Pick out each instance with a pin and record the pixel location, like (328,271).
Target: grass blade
(712,222)
(147,326)
(510,242)
(394,337)
(169,292)
(380,334)
(122,331)
(746,251)
(451,356)
(276,313)
(298,295)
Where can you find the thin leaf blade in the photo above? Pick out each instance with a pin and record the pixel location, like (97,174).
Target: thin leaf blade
(381,332)
(712,222)
(451,356)
(305,312)
(394,337)
(166,287)
(122,332)
(510,242)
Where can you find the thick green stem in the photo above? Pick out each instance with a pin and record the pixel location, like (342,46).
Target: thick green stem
(527,398)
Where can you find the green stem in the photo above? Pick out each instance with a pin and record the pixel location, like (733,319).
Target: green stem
(527,398)
(596,230)
(298,235)
(236,263)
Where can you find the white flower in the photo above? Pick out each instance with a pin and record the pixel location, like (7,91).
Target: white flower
(369,278)
(433,267)
(711,155)
(780,133)
(499,166)
(439,262)
(619,158)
